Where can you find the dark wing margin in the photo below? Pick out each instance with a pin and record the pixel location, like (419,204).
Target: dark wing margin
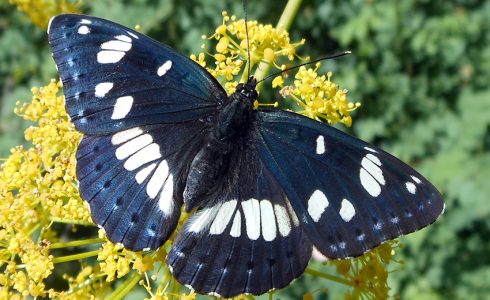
(349,196)
(248,240)
(115,78)
(131,180)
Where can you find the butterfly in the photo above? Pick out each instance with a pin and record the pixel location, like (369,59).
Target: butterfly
(264,186)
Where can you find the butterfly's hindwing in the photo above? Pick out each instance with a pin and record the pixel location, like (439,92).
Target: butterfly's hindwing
(115,78)
(248,240)
(132,180)
(349,195)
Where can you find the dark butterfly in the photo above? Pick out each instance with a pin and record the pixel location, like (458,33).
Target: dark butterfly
(267,185)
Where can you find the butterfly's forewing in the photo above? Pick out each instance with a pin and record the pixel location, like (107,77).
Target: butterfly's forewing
(143,108)
(248,240)
(115,78)
(349,196)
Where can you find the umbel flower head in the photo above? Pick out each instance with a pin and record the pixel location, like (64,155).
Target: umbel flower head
(46,232)
(315,94)
(39,12)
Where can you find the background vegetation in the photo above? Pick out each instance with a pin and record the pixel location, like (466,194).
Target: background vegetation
(420,68)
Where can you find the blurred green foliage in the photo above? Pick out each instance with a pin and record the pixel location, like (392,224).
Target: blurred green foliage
(420,68)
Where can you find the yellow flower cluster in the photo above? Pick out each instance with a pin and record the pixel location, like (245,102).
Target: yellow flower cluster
(368,274)
(40,11)
(37,188)
(267,44)
(318,97)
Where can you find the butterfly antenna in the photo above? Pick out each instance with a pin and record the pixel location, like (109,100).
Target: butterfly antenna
(307,63)
(244,3)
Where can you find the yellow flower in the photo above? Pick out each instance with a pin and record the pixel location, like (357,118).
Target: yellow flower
(319,98)
(368,273)
(278,82)
(41,11)
(266,44)
(143,264)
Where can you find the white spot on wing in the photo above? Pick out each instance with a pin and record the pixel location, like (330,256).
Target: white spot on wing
(126,135)
(223,217)
(236,228)
(122,107)
(103,88)
(371,175)
(369,183)
(282,218)
(164,68)
(157,179)
(214,294)
(417,180)
(251,209)
(374,159)
(202,219)
(134,145)
(411,187)
(116,46)
(370,150)
(268,222)
(145,155)
(347,211)
(124,38)
(83,30)
(166,202)
(317,204)
(132,34)
(109,57)
(292,213)
(143,174)
(85,21)
(320,145)
(114,50)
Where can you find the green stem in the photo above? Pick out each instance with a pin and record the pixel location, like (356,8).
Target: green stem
(82,255)
(125,287)
(70,221)
(284,22)
(76,243)
(245,74)
(62,259)
(316,273)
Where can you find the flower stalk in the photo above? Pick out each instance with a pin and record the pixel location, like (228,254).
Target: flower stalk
(285,21)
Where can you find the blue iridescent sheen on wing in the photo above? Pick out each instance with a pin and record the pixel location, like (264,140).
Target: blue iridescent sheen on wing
(137,203)
(108,62)
(247,239)
(350,196)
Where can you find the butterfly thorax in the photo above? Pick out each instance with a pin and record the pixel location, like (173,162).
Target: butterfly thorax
(211,162)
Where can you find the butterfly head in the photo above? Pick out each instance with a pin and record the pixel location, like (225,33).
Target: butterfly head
(248,90)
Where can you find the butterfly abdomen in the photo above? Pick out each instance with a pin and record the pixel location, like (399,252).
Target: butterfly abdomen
(232,123)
